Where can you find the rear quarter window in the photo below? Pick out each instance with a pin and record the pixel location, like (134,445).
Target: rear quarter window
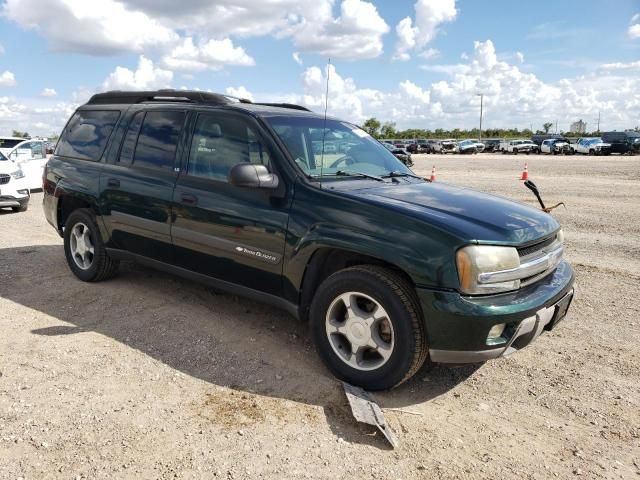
(87,134)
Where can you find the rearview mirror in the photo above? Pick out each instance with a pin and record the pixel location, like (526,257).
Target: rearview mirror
(252,176)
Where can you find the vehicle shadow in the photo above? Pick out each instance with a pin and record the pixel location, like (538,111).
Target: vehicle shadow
(222,339)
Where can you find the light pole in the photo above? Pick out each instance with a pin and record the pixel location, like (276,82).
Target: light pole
(481,98)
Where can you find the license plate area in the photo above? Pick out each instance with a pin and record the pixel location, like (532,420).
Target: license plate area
(561,309)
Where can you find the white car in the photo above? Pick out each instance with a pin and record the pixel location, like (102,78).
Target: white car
(8,143)
(477,143)
(591,146)
(518,146)
(446,146)
(28,156)
(14,193)
(555,146)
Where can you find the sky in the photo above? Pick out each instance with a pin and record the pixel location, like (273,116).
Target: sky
(420,64)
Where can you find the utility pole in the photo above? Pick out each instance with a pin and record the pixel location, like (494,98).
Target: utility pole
(598,121)
(481,98)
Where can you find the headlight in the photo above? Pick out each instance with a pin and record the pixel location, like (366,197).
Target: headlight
(560,236)
(17,174)
(478,259)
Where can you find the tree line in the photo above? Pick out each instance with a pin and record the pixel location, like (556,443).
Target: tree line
(388,130)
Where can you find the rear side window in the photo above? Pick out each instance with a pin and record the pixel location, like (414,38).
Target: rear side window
(87,134)
(158,140)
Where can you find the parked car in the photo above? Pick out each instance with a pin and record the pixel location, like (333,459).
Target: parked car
(467,147)
(492,145)
(519,146)
(555,146)
(591,146)
(30,157)
(445,146)
(623,142)
(424,146)
(478,144)
(13,192)
(8,143)
(389,269)
(400,153)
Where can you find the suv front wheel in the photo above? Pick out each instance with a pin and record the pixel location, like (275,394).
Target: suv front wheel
(84,249)
(367,327)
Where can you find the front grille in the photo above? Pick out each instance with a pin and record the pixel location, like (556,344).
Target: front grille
(4,178)
(531,249)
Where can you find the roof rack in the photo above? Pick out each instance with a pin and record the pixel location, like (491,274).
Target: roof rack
(165,95)
(292,106)
(122,97)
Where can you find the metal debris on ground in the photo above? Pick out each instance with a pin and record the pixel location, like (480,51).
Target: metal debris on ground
(366,410)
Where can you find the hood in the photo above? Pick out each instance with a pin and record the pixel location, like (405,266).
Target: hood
(466,213)
(7,166)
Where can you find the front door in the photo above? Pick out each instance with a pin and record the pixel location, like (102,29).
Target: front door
(137,188)
(231,233)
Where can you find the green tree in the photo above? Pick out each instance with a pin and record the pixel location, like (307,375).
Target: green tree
(372,127)
(18,133)
(547,126)
(388,130)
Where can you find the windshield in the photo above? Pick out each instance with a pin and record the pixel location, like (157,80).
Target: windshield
(2,157)
(347,148)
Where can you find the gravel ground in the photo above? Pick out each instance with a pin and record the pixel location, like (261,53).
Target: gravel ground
(150,376)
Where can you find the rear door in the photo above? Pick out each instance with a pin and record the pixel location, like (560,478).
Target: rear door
(232,233)
(137,186)
(31,158)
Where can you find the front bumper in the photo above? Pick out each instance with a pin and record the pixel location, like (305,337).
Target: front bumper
(458,326)
(13,194)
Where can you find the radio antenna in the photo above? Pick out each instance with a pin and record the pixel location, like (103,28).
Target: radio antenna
(324,123)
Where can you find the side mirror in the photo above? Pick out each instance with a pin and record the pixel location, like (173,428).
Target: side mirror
(252,176)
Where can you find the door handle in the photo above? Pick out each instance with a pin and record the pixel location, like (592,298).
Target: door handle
(113,182)
(189,199)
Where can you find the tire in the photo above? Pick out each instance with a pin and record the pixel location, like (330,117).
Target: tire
(21,208)
(592,152)
(407,348)
(98,265)
(515,151)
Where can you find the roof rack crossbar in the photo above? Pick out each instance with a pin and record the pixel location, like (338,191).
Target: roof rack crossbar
(292,106)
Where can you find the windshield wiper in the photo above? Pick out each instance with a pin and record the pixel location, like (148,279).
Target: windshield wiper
(344,173)
(401,174)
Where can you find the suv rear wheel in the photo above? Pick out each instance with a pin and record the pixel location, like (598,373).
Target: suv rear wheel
(84,249)
(367,327)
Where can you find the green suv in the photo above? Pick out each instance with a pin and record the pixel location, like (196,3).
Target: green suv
(310,214)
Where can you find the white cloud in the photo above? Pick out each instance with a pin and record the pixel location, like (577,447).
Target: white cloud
(207,55)
(296,58)
(239,92)
(7,79)
(159,27)
(430,14)
(48,92)
(429,54)
(634,27)
(98,27)
(355,34)
(520,57)
(2,50)
(511,97)
(145,77)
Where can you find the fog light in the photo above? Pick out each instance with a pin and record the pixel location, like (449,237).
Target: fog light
(23,192)
(495,333)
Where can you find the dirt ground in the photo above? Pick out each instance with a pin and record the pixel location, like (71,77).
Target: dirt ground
(150,376)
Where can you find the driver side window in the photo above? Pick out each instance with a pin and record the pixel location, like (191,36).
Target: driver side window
(221,141)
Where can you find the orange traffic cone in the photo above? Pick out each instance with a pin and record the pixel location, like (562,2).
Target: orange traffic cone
(525,173)
(433,174)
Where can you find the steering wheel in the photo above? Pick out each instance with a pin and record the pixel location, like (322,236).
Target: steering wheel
(348,160)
